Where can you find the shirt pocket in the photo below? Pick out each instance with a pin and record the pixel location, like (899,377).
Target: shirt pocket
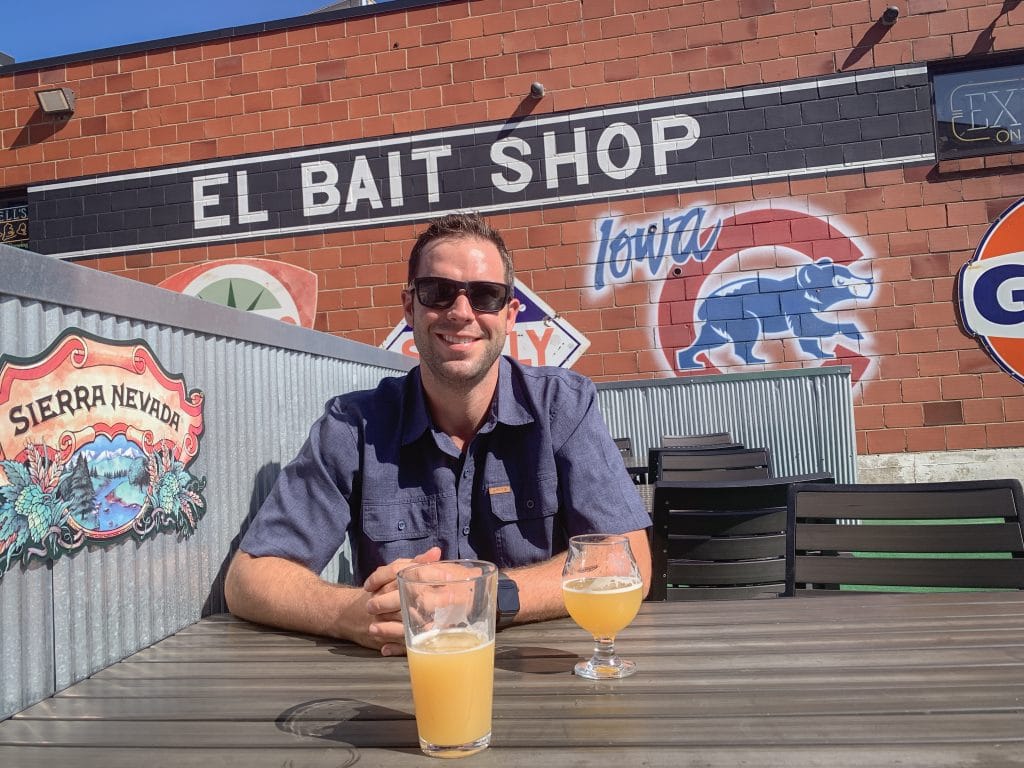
(523,519)
(399,521)
(530,502)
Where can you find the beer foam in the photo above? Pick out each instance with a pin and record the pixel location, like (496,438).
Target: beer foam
(602,584)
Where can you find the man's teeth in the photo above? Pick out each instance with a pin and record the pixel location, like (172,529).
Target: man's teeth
(456,340)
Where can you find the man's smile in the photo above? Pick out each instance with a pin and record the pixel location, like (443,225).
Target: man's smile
(457,341)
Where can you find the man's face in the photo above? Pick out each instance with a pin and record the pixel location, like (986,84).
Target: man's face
(459,346)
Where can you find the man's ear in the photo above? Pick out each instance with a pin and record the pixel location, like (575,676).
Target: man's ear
(513,310)
(407,300)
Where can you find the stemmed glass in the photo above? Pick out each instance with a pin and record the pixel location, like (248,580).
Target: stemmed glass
(603,591)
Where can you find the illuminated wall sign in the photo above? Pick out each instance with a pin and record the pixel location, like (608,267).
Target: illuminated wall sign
(14,225)
(95,444)
(803,128)
(991,291)
(540,337)
(979,111)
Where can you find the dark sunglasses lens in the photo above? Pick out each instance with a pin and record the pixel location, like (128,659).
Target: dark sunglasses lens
(436,293)
(487,297)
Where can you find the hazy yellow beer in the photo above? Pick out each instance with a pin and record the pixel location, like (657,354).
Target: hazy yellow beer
(449,614)
(452,681)
(603,605)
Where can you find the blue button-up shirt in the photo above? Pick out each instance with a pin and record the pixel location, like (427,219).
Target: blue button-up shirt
(375,469)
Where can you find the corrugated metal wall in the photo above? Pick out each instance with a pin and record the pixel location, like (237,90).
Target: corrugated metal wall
(805,416)
(265,383)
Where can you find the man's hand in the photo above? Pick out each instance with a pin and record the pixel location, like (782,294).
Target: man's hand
(384,605)
(281,593)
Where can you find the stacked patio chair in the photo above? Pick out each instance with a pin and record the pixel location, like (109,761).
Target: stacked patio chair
(739,464)
(900,536)
(704,443)
(705,440)
(624,444)
(723,540)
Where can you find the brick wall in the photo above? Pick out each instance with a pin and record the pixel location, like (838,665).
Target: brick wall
(922,383)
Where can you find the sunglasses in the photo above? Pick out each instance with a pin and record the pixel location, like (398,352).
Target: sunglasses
(440,293)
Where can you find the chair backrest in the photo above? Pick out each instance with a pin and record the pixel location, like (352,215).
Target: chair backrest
(739,464)
(723,540)
(654,455)
(624,444)
(948,535)
(695,441)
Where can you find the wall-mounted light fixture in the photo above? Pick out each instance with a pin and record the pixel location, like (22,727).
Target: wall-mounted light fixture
(56,101)
(536,90)
(889,15)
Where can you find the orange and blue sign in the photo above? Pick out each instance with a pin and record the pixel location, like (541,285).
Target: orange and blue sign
(991,291)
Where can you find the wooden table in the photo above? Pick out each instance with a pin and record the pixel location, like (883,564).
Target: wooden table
(876,680)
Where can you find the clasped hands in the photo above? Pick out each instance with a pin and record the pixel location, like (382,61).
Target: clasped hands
(384,607)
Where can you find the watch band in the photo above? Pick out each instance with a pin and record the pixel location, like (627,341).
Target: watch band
(508,601)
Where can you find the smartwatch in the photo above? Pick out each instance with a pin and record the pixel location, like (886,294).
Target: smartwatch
(508,600)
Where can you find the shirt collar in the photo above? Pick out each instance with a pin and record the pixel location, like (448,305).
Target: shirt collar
(415,419)
(508,409)
(505,408)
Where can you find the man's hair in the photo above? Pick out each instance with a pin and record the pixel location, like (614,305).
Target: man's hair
(455,226)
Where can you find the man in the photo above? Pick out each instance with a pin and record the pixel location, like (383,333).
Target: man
(470,455)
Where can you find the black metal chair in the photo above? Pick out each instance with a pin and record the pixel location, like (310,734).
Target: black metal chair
(624,444)
(723,540)
(696,441)
(739,464)
(654,455)
(951,535)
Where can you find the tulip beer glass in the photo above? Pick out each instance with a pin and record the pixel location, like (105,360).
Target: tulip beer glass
(603,590)
(449,613)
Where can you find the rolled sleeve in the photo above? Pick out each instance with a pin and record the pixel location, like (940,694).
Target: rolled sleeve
(307,515)
(597,492)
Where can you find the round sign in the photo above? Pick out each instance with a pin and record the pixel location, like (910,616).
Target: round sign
(991,291)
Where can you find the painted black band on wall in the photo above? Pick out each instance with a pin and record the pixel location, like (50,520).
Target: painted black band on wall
(874,118)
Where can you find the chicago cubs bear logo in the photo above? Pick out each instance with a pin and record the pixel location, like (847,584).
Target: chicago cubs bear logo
(991,291)
(702,311)
(741,311)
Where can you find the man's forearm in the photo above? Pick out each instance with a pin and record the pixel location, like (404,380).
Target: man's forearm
(540,589)
(281,593)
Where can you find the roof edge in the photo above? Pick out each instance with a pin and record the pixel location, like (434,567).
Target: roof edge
(308,19)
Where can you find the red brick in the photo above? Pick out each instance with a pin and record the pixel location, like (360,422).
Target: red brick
(926,439)
(963,437)
(1000,385)
(983,410)
(920,390)
(943,412)
(881,392)
(1003,435)
(901,415)
(1013,407)
(886,441)
(913,292)
(936,314)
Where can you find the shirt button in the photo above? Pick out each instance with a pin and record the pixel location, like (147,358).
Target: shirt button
(401,525)
(529,503)
(465,530)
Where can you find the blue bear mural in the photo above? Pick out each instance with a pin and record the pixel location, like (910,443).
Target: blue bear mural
(743,310)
